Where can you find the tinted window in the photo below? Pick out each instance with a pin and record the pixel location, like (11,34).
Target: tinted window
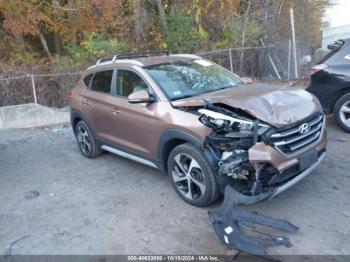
(129,82)
(87,80)
(101,81)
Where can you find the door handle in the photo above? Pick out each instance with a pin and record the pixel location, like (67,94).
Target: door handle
(115,111)
(86,102)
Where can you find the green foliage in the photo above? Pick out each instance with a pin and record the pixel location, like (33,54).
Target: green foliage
(95,46)
(236,31)
(181,35)
(92,47)
(20,57)
(17,52)
(203,37)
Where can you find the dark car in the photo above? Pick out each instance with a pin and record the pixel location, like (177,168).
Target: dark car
(330,82)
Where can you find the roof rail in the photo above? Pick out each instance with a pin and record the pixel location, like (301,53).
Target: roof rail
(132,55)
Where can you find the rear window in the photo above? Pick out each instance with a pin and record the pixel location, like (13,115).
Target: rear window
(101,82)
(87,79)
(336,53)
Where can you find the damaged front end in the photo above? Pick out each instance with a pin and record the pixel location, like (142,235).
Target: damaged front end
(258,160)
(245,182)
(230,140)
(255,161)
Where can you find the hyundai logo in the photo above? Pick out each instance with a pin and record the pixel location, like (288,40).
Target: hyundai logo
(304,128)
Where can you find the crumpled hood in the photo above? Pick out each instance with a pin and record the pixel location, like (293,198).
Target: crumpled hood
(275,106)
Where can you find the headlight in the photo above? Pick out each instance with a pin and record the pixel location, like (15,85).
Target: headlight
(222,120)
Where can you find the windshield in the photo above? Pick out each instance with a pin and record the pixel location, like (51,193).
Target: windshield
(190,78)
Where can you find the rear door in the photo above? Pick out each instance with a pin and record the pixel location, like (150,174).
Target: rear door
(97,102)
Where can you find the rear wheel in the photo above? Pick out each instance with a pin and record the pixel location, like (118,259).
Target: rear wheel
(86,141)
(191,175)
(342,112)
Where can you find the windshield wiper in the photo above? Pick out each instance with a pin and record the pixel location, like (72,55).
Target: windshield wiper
(221,88)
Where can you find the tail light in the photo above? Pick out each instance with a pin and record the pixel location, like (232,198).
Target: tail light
(70,94)
(318,67)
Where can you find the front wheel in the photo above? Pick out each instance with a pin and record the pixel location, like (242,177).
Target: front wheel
(192,176)
(342,112)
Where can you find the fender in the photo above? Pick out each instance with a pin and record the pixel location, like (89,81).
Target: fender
(165,145)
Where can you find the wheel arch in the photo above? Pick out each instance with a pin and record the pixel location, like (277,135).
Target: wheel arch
(337,95)
(174,137)
(75,117)
(171,138)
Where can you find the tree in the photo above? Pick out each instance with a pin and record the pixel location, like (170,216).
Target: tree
(37,28)
(27,18)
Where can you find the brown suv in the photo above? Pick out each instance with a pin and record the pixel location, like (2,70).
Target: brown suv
(198,122)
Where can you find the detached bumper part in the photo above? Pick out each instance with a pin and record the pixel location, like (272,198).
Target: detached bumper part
(246,230)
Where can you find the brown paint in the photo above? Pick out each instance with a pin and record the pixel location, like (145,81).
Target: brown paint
(138,127)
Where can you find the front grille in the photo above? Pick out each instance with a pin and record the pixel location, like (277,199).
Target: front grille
(291,140)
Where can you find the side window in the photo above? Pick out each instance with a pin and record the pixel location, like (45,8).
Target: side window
(129,82)
(87,79)
(101,82)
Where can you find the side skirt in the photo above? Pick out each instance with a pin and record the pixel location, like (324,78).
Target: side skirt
(129,156)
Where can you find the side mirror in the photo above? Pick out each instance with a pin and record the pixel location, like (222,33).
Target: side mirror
(141,96)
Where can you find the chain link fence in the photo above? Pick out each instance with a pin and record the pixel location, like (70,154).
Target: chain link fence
(252,62)
(266,62)
(45,89)
(262,63)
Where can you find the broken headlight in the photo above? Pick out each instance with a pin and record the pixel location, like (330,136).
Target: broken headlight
(219,120)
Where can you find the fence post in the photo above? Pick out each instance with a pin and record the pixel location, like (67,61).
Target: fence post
(291,11)
(231,62)
(34,91)
(289,57)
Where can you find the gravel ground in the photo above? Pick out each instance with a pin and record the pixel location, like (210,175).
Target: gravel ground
(111,205)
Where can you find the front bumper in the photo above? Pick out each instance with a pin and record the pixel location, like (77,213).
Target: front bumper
(297,178)
(273,191)
(290,170)
(263,153)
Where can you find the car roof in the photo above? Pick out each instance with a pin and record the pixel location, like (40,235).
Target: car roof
(144,61)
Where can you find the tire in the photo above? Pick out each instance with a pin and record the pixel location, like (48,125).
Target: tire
(86,141)
(200,177)
(342,112)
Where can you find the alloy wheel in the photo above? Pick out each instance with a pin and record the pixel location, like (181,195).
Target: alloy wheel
(345,113)
(84,140)
(188,177)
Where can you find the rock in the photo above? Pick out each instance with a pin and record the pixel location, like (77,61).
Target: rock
(31,194)
(147,240)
